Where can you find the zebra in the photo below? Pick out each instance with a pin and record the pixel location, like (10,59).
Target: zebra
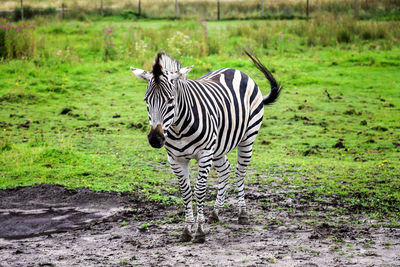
(204,120)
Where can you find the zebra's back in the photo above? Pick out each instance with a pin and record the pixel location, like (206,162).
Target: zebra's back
(230,103)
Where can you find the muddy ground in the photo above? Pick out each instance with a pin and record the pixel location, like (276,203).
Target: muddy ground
(47,225)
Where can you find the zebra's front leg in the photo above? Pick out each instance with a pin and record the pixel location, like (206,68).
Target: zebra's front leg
(223,168)
(181,169)
(200,188)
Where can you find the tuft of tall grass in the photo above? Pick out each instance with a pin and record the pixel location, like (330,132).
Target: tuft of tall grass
(195,38)
(333,30)
(16,41)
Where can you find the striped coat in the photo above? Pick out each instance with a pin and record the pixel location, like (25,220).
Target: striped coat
(205,119)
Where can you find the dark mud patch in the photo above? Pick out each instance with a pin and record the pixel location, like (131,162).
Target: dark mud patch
(47,225)
(46,209)
(19,224)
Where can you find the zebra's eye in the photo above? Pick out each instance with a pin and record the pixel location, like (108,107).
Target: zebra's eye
(170,101)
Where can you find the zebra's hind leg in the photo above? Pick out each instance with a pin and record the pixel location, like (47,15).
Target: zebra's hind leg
(181,169)
(223,168)
(200,191)
(244,156)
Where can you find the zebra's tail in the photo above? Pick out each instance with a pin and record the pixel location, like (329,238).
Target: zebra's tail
(275,86)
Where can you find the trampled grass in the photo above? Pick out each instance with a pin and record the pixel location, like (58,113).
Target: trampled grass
(71,116)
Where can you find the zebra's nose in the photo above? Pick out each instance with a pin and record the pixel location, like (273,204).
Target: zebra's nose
(156,137)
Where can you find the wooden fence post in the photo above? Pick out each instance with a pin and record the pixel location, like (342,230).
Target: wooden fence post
(218,10)
(139,8)
(176,9)
(62,10)
(101,8)
(262,8)
(308,9)
(22,9)
(355,9)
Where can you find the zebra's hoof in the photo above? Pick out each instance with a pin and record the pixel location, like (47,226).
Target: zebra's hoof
(199,238)
(213,217)
(243,218)
(186,235)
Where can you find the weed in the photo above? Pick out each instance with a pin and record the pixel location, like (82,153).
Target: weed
(315,253)
(367,245)
(335,248)
(16,41)
(388,244)
(124,261)
(144,226)
(108,45)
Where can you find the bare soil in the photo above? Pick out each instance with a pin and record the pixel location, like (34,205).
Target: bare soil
(48,225)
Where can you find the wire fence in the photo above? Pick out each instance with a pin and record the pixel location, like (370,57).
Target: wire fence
(208,9)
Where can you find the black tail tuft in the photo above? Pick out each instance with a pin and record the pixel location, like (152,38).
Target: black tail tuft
(275,87)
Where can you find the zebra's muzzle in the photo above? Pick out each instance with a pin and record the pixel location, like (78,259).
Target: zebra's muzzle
(156,137)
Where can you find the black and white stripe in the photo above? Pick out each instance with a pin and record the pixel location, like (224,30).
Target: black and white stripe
(205,119)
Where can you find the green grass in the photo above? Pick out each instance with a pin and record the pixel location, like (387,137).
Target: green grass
(343,146)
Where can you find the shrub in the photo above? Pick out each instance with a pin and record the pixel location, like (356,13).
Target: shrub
(180,44)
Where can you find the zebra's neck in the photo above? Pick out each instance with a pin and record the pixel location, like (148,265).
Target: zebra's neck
(183,109)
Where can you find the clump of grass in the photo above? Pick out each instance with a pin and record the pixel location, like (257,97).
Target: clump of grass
(332,30)
(5,145)
(16,41)
(18,96)
(144,226)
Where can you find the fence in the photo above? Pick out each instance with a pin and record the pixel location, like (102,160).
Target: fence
(209,9)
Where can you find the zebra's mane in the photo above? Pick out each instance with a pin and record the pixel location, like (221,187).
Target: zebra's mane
(164,62)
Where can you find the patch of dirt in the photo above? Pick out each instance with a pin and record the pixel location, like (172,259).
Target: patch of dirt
(54,226)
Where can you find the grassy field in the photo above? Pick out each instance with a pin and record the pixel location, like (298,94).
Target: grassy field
(71,113)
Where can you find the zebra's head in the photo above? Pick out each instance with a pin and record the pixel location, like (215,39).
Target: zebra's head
(160,95)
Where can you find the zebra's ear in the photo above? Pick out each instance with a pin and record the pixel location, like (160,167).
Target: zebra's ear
(142,74)
(181,74)
(185,71)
